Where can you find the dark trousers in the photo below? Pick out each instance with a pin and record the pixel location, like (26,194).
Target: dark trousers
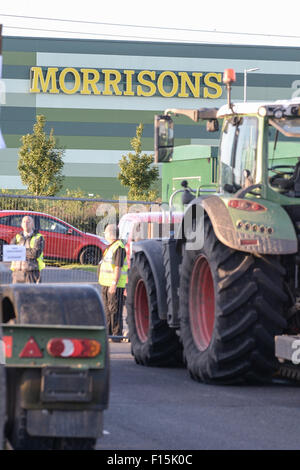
(113,306)
(26,277)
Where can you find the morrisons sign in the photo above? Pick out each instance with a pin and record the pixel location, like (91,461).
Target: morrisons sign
(108,82)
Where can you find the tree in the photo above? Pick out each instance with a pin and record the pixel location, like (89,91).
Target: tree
(41,161)
(136,173)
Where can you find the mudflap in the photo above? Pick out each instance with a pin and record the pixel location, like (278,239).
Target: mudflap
(57,402)
(62,423)
(172,260)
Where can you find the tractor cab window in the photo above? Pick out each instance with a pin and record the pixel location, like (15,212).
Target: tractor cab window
(238,152)
(284,156)
(245,158)
(228,137)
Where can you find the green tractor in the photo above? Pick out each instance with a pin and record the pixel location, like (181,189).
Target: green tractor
(216,294)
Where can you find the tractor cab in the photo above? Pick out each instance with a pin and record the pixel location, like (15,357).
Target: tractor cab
(259,150)
(238,153)
(260,147)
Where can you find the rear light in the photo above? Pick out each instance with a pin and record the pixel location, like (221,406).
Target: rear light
(31,349)
(228,76)
(8,344)
(72,347)
(249,242)
(244,205)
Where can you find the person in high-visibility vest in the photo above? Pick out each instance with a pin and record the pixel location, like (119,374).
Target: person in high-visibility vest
(112,278)
(28,271)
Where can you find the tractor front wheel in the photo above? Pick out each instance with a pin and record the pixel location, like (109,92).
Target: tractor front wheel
(231,306)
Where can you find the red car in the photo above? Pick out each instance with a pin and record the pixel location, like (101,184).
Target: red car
(62,241)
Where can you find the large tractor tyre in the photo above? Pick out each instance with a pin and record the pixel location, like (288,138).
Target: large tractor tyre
(231,305)
(153,343)
(16,431)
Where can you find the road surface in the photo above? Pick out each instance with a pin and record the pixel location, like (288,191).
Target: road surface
(157,408)
(52,274)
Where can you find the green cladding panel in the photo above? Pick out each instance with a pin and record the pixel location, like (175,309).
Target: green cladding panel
(96,130)
(196,164)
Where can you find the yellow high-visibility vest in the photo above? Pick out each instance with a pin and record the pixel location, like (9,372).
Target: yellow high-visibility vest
(107,267)
(40,259)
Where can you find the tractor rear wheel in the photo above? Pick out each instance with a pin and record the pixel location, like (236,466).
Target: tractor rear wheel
(231,307)
(153,343)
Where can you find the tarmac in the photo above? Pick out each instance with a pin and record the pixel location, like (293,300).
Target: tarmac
(53,274)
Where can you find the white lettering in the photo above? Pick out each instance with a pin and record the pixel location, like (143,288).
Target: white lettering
(118,460)
(296,353)
(296,87)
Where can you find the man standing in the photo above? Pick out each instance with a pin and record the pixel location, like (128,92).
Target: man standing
(28,271)
(112,278)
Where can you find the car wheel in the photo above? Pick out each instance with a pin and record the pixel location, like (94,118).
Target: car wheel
(90,255)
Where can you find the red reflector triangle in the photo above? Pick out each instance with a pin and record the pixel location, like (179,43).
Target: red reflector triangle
(31,349)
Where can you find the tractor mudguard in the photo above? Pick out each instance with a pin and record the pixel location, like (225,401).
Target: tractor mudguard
(269,231)
(152,250)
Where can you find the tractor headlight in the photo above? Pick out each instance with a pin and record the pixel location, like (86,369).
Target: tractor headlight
(262,111)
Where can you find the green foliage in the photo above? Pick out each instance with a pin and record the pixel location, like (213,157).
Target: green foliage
(137,172)
(40,161)
(80,214)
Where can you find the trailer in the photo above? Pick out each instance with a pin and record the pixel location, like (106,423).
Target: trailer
(56,366)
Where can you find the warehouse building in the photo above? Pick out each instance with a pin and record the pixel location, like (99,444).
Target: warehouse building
(94,93)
